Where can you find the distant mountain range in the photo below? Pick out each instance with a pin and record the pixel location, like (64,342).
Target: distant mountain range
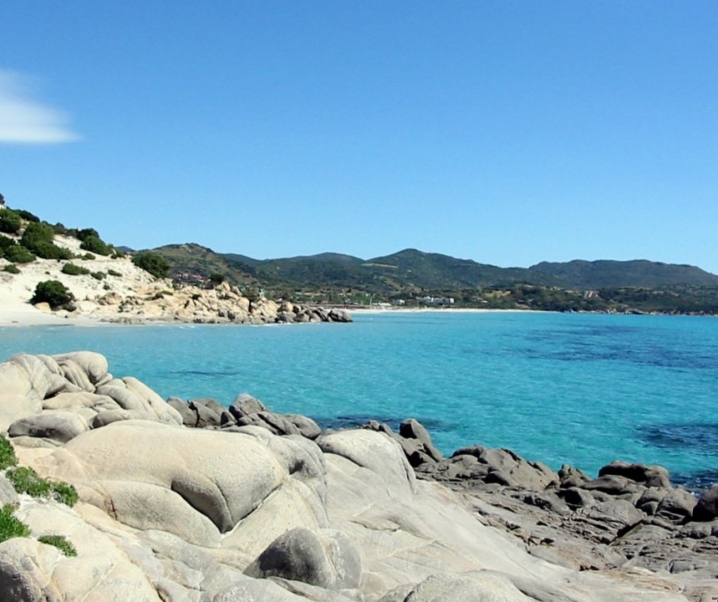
(411,271)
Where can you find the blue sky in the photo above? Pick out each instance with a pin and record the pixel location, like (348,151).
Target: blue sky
(500,131)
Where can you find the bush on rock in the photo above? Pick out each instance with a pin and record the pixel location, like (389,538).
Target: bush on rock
(10,526)
(7,454)
(53,292)
(60,542)
(26,480)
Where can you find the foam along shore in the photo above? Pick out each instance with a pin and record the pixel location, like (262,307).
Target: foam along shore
(186,500)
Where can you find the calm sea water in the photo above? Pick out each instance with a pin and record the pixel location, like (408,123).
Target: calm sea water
(560,388)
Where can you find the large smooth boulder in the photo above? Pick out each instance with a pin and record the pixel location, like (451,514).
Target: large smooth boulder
(191,482)
(25,380)
(32,571)
(93,365)
(131,394)
(57,425)
(79,400)
(327,559)
(375,452)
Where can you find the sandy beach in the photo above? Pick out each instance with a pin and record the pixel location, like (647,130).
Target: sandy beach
(23,314)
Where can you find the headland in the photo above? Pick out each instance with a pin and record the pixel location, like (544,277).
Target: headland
(187,500)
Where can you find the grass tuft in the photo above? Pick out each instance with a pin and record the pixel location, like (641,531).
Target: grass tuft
(26,480)
(7,454)
(60,542)
(10,526)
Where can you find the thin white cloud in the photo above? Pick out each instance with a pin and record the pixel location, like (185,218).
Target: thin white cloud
(25,120)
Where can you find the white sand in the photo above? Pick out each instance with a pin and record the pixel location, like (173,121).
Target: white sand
(16,290)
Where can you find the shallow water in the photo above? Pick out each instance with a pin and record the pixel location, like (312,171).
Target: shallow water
(560,388)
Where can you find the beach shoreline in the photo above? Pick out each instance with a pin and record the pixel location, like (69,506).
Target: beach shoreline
(21,315)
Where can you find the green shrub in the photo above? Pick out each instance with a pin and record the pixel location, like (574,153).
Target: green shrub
(60,542)
(10,221)
(53,292)
(18,254)
(96,245)
(36,233)
(59,228)
(11,269)
(85,233)
(25,480)
(7,454)
(113,273)
(88,256)
(48,250)
(74,270)
(5,242)
(98,275)
(38,237)
(216,279)
(26,215)
(153,263)
(64,493)
(10,526)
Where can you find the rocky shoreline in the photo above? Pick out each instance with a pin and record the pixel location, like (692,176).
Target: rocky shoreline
(188,500)
(114,290)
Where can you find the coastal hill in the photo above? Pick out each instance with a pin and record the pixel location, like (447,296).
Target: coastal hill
(605,273)
(416,270)
(412,275)
(70,273)
(190,282)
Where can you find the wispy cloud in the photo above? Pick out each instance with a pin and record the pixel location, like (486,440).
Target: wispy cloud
(25,120)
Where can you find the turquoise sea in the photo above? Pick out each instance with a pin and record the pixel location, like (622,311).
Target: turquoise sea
(561,388)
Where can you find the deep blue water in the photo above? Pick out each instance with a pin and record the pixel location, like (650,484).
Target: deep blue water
(560,388)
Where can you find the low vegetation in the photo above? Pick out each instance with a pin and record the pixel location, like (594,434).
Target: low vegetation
(10,221)
(152,262)
(7,454)
(60,542)
(26,480)
(10,525)
(54,293)
(38,238)
(19,254)
(92,242)
(74,270)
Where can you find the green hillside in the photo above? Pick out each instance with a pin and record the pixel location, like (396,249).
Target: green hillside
(589,275)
